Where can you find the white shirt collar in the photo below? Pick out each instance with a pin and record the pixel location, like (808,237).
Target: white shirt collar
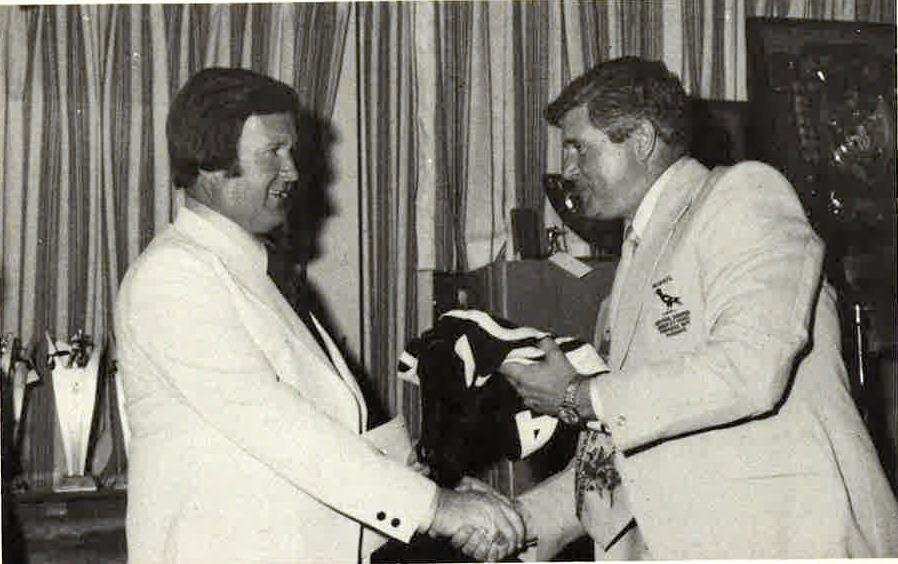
(643,214)
(240,245)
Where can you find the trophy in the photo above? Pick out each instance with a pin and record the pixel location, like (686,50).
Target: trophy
(18,374)
(74,367)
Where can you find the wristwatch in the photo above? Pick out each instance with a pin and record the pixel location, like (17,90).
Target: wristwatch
(567,411)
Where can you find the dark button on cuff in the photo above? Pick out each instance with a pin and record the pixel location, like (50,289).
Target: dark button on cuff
(395,522)
(381,515)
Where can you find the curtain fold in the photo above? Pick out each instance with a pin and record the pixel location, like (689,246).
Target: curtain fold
(387,148)
(453,35)
(530,28)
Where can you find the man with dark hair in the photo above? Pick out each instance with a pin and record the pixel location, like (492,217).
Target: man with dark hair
(725,426)
(248,431)
(205,121)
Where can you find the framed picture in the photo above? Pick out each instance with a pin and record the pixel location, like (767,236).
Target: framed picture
(822,111)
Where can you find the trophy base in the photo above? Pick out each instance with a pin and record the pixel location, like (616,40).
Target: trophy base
(117,482)
(75,484)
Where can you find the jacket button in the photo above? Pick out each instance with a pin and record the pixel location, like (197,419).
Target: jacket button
(621,420)
(395,522)
(381,515)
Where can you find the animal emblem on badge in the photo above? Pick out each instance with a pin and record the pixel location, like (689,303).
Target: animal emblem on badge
(668,300)
(674,320)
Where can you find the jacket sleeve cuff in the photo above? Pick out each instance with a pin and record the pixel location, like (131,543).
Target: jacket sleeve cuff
(430,512)
(596,401)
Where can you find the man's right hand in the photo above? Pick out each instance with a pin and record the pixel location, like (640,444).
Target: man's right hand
(482,525)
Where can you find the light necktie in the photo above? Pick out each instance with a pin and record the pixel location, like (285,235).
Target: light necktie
(628,249)
(595,453)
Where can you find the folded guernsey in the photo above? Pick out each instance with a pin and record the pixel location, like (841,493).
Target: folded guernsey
(471,415)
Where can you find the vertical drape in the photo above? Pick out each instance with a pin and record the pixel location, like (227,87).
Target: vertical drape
(468,117)
(84,93)
(387,152)
(492,167)
(881,11)
(453,33)
(531,25)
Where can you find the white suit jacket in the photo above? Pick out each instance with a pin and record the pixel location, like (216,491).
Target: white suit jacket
(245,438)
(727,392)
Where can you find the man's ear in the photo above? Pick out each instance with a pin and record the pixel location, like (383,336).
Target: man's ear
(644,138)
(209,176)
(208,179)
(206,184)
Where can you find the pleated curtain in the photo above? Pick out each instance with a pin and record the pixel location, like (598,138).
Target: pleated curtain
(387,189)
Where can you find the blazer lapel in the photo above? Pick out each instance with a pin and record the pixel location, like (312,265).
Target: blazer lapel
(276,302)
(270,321)
(273,325)
(343,369)
(672,204)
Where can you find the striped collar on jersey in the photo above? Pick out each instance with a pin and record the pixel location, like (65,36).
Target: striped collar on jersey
(471,416)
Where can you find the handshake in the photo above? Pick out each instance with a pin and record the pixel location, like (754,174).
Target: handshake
(479,521)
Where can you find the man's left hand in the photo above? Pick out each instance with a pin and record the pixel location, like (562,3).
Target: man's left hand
(541,383)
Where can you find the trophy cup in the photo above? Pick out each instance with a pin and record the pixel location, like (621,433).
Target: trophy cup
(74,368)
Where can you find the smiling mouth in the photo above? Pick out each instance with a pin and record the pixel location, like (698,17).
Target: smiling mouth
(280,193)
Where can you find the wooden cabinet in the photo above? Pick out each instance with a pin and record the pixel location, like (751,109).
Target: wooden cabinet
(70,528)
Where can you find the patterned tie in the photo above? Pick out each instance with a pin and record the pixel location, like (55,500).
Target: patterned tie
(595,452)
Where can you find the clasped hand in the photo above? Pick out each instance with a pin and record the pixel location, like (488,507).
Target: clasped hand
(479,521)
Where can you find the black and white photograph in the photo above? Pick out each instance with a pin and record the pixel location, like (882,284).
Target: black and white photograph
(448,281)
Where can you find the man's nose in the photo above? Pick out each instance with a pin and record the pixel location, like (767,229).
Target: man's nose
(288,170)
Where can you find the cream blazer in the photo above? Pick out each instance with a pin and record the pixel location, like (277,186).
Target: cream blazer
(728,395)
(246,439)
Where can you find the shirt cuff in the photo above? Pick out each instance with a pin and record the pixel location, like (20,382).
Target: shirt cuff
(596,402)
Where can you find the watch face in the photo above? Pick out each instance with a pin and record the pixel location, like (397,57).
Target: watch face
(568,416)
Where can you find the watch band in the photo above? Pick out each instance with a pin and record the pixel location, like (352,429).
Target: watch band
(567,411)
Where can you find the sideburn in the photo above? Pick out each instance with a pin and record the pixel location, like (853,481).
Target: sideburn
(234,171)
